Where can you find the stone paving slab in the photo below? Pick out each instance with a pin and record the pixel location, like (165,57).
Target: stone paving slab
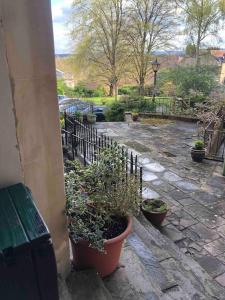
(83,285)
(172,232)
(193,281)
(212,265)
(200,233)
(194,192)
(131,281)
(216,248)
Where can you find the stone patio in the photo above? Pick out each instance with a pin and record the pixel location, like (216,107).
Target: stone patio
(194,192)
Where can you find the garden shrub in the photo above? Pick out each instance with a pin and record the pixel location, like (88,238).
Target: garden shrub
(138,104)
(128,90)
(116,112)
(189,81)
(134,104)
(80,90)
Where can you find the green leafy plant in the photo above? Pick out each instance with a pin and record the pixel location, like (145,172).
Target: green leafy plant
(115,113)
(135,116)
(99,196)
(199,145)
(62,122)
(154,206)
(190,82)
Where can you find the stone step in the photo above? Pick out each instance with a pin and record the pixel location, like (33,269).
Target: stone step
(131,280)
(187,278)
(83,285)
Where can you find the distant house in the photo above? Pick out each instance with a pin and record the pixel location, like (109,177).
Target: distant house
(59,74)
(67,77)
(220,57)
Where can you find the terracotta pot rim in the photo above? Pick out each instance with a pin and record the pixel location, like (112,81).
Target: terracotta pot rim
(116,239)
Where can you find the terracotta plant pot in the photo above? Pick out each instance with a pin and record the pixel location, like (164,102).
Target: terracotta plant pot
(197,155)
(156,218)
(104,263)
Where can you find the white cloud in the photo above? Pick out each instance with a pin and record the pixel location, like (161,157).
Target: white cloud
(60,14)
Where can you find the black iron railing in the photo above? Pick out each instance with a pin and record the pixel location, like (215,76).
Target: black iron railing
(81,140)
(161,106)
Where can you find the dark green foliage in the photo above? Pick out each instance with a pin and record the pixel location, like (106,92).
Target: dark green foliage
(154,206)
(138,104)
(81,90)
(128,90)
(129,103)
(116,112)
(191,82)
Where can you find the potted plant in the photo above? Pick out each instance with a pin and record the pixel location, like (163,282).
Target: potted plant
(198,151)
(154,210)
(79,116)
(100,202)
(135,116)
(91,118)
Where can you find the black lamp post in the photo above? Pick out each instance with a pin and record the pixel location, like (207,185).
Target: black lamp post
(155,68)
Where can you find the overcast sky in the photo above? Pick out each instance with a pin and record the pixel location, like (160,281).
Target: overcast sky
(60,12)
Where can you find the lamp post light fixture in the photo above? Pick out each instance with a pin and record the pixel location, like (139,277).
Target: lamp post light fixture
(155,68)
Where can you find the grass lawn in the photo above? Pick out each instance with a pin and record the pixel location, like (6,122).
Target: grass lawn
(109,100)
(100,100)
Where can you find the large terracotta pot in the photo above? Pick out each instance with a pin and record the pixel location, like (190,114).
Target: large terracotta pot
(104,263)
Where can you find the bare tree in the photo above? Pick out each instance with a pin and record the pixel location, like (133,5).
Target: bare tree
(97,30)
(202,20)
(151,26)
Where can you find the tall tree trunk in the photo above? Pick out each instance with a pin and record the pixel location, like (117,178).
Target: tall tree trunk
(116,90)
(141,86)
(198,61)
(198,50)
(111,90)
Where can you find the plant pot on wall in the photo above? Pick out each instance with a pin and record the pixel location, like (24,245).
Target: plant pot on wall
(91,118)
(198,151)
(105,262)
(155,211)
(197,155)
(135,117)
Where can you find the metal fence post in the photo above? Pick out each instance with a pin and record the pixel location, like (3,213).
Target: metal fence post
(84,151)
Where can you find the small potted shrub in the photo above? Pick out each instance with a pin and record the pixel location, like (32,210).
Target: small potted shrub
(91,118)
(100,202)
(198,151)
(154,210)
(135,116)
(79,116)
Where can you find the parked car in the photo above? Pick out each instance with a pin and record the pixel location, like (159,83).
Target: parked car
(60,98)
(99,111)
